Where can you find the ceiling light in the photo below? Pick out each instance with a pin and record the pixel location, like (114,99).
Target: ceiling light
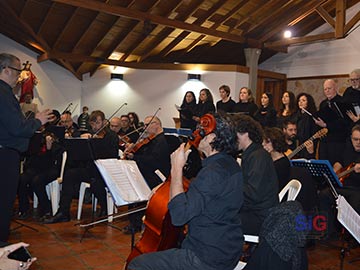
(287,34)
(117,76)
(194,77)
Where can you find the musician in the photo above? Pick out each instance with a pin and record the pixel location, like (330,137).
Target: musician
(292,142)
(70,129)
(152,156)
(39,170)
(83,120)
(332,116)
(352,94)
(226,104)
(274,143)
(246,102)
(260,179)
(74,176)
(126,131)
(205,104)
(210,208)
(351,189)
(15,132)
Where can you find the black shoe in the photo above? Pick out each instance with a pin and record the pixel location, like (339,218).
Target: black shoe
(45,216)
(131,229)
(59,217)
(23,215)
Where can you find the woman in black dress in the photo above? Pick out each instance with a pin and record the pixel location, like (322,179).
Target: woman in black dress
(205,104)
(246,103)
(266,115)
(187,111)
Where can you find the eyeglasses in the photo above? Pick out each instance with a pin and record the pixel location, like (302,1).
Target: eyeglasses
(16,69)
(354,80)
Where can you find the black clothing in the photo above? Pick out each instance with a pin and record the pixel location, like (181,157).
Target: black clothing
(266,116)
(260,187)
(204,108)
(352,96)
(306,127)
(249,108)
(130,133)
(348,157)
(187,111)
(226,107)
(212,202)
(153,156)
(83,122)
(15,130)
(281,243)
(282,167)
(211,208)
(338,125)
(74,176)
(15,133)
(281,119)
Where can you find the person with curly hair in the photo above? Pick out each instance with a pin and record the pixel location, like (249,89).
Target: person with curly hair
(274,142)
(260,179)
(211,206)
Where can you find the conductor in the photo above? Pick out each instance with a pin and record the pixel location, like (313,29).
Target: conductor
(15,133)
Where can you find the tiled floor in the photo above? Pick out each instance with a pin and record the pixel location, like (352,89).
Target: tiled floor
(58,246)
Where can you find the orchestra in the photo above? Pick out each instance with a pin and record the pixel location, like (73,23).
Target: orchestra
(241,195)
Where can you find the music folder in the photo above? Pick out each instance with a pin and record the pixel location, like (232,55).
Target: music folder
(348,217)
(124,180)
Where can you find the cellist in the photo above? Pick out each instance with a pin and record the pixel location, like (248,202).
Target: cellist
(210,207)
(150,156)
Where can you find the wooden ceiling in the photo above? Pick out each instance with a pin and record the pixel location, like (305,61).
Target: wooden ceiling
(81,35)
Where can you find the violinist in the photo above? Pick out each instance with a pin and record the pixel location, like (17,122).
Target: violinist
(88,173)
(210,207)
(349,162)
(15,133)
(150,156)
(70,129)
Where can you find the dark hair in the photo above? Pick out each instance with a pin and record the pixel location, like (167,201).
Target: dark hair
(226,88)
(125,115)
(288,122)
(209,96)
(271,99)
(246,124)
(94,115)
(276,137)
(226,139)
(136,118)
(311,107)
(193,102)
(292,103)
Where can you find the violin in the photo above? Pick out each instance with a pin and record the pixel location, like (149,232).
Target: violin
(159,233)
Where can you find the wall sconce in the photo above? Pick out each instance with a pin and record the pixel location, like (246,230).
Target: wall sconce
(194,77)
(117,76)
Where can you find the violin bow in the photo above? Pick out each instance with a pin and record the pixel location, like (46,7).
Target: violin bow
(108,121)
(146,128)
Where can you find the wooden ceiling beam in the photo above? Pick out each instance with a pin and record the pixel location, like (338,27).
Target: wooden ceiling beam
(139,15)
(354,20)
(309,6)
(45,19)
(300,40)
(69,24)
(326,16)
(340,18)
(307,13)
(44,46)
(164,33)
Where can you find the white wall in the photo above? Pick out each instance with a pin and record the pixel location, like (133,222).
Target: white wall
(323,58)
(56,88)
(143,90)
(147,90)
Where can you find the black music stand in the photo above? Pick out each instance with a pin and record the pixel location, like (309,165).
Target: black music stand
(80,149)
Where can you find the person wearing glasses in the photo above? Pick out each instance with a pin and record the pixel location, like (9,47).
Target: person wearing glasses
(15,133)
(151,153)
(352,95)
(348,161)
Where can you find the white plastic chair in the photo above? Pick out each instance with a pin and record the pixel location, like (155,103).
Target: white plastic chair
(292,189)
(110,202)
(53,188)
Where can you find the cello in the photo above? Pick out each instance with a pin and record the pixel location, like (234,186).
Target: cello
(159,233)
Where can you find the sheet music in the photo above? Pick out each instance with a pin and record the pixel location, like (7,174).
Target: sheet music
(348,217)
(124,180)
